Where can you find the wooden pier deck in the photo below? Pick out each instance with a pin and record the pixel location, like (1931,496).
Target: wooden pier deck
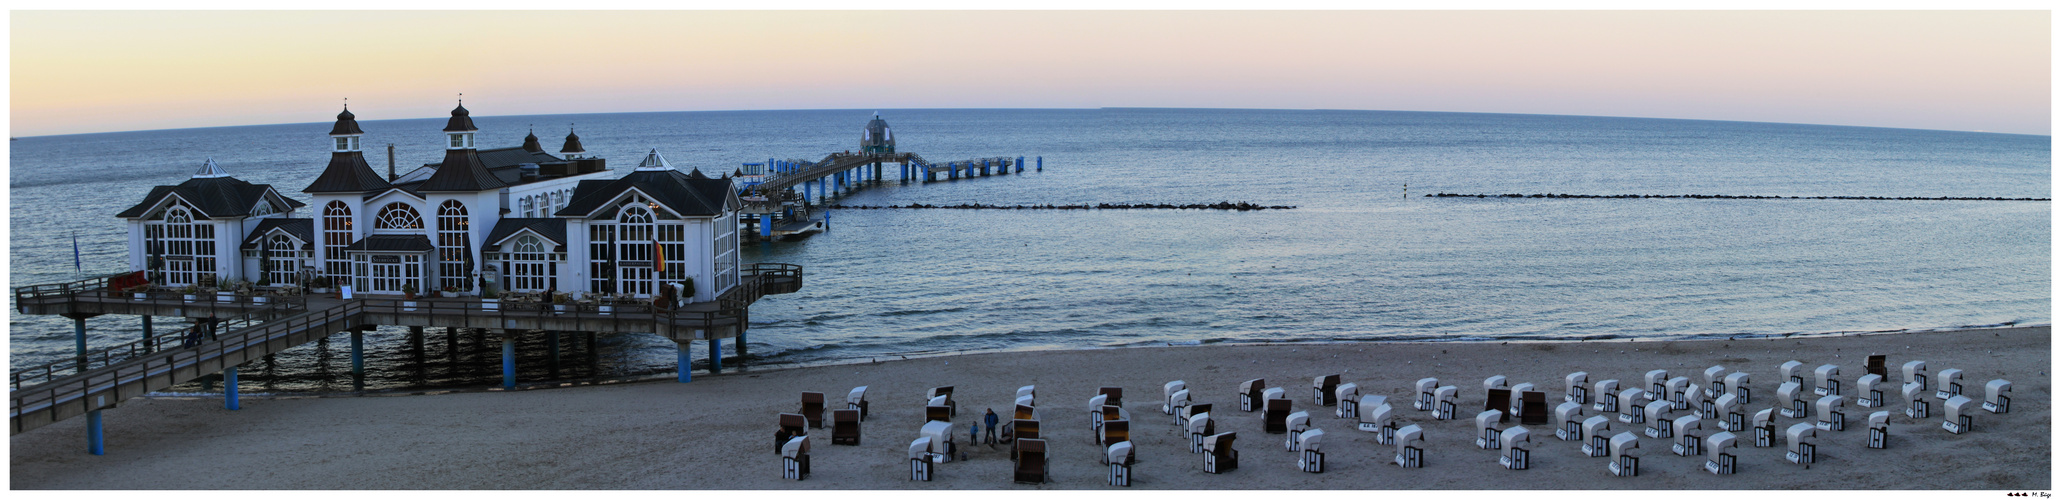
(260,329)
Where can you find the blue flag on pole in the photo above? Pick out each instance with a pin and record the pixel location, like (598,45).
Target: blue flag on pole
(75,253)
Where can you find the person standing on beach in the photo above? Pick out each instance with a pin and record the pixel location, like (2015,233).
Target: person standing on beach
(974,438)
(992,420)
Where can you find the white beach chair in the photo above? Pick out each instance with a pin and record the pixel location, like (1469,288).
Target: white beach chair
(1323,390)
(1409,447)
(1993,398)
(1718,448)
(1120,457)
(1688,436)
(1249,394)
(1448,397)
(1915,371)
(1801,448)
(1790,395)
(1517,396)
(1959,415)
(1605,393)
(1218,456)
(1488,431)
(1713,381)
(1631,406)
(1363,407)
(1735,384)
(1028,401)
(1178,403)
(856,400)
(1516,449)
(1832,413)
(1792,371)
(1731,415)
(1272,393)
(1170,389)
(1199,427)
(1348,401)
(1028,391)
(1095,405)
(1567,421)
(1577,388)
(1427,398)
(1878,430)
(1660,420)
(1869,388)
(1381,422)
(945,393)
(1828,380)
(1700,403)
(1311,443)
(1656,385)
(794,458)
(1915,404)
(1298,423)
(920,459)
(1949,384)
(1678,392)
(1597,428)
(1764,428)
(1495,382)
(1624,454)
(943,442)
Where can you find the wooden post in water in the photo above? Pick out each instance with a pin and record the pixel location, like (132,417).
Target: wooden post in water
(229,399)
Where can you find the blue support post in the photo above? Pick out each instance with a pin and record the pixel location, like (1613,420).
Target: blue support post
(686,369)
(954,168)
(229,389)
(983,166)
(79,334)
(146,333)
(358,354)
(96,442)
(508,360)
(715,355)
(1019,164)
(1041,164)
(766,225)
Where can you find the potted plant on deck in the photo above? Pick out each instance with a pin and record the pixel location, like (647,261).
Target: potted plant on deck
(319,285)
(408,289)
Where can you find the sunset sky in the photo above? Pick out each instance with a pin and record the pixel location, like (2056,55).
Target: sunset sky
(93,71)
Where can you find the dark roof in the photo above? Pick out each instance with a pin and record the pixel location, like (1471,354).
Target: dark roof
(461,170)
(347,173)
(299,228)
(346,123)
(679,192)
(550,229)
(572,143)
(461,120)
(215,197)
(530,143)
(510,157)
(876,133)
(392,243)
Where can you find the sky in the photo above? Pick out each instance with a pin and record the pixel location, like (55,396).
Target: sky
(100,71)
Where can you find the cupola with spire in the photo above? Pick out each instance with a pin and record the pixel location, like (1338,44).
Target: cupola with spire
(530,144)
(460,129)
(347,171)
(210,170)
(462,169)
(654,161)
(572,146)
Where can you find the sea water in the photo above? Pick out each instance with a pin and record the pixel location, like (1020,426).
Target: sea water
(1358,259)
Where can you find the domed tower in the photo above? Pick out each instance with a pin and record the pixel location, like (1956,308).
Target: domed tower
(572,148)
(877,138)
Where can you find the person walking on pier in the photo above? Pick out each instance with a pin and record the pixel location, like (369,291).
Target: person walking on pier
(992,420)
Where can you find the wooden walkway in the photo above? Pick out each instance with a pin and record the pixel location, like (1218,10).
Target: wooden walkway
(260,329)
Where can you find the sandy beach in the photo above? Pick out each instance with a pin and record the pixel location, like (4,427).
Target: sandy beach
(715,433)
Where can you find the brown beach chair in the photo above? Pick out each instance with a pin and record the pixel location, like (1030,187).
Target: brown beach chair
(1324,390)
(844,427)
(1116,395)
(791,425)
(812,407)
(1115,431)
(1499,399)
(1026,412)
(1878,364)
(1218,456)
(1250,394)
(937,413)
(1025,429)
(1534,411)
(946,392)
(1277,415)
(1030,461)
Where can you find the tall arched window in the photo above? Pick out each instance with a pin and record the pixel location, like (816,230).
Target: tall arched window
(529,207)
(398,215)
(282,260)
(531,265)
(454,247)
(336,236)
(187,248)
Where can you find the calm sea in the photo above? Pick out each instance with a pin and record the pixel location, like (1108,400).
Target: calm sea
(1358,260)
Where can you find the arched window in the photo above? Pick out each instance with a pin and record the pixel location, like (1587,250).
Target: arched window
(454,247)
(531,265)
(529,207)
(336,236)
(185,248)
(282,260)
(398,215)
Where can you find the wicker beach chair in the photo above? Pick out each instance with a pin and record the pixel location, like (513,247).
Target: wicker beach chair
(1915,404)
(1516,449)
(1688,436)
(1447,399)
(1577,388)
(1348,396)
(1960,414)
(1381,422)
(1495,382)
(1218,456)
(1949,384)
(1631,406)
(1713,381)
(1250,395)
(1764,428)
(1427,389)
(1868,391)
(945,393)
(1790,396)
(1656,385)
(856,400)
(794,458)
(1731,415)
(1605,394)
(921,460)
(1322,390)
(1597,428)
(1170,389)
(1736,384)
(1189,412)
(1792,371)
(1488,430)
(812,408)
(1567,421)
(1660,420)
(1030,461)
(1114,431)
(1120,456)
(1828,380)
(1832,413)
(1276,415)
(1310,443)
(1199,427)
(1878,364)
(1993,398)
(1409,447)
(1719,452)
(844,427)
(1297,423)
(1678,392)
(1624,455)
(1878,430)
(1915,372)
(791,425)
(937,413)
(1116,395)
(943,441)
(1028,391)
(1498,400)
(1025,429)
(1802,448)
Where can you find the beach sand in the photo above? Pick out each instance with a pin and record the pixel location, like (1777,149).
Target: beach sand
(715,433)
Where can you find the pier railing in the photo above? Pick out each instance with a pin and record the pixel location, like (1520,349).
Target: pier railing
(103,387)
(112,355)
(31,293)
